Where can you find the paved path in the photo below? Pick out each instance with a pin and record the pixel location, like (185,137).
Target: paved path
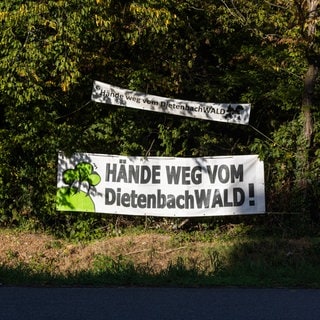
(19,303)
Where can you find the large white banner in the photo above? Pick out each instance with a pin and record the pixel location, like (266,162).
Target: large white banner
(224,112)
(157,186)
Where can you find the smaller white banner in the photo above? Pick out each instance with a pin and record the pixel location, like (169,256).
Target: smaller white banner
(157,186)
(223,112)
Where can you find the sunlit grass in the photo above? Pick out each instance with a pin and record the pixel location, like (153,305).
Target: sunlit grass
(246,263)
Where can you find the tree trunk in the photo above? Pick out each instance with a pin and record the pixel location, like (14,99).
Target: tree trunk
(310,78)
(307,101)
(313,57)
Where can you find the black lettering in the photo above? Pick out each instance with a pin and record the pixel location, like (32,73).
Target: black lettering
(161,200)
(212,173)
(226,203)
(189,200)
(171,203)
(134,196)
(111,172)
(110,196)
(155,174)
(173,174)
(185,175)
(145,174)
(238,197)
(125,200)
(133,98)
(142,201)
(118,196)
(152,102)
(224,173)
(151,201)
(180,203)
(202,198)
(122,174)
(217,199)
(196,176)
(133,174)
(236,173)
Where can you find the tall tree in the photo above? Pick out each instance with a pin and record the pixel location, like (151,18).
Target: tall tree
(289,28)
(223,51)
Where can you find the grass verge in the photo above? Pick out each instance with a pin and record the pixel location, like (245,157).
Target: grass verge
(235,255)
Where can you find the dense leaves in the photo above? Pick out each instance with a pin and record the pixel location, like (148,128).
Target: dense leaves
(261,52)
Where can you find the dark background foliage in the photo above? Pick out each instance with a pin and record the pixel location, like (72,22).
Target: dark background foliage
(218,51)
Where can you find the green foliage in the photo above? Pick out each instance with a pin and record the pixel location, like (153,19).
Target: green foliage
(220,51)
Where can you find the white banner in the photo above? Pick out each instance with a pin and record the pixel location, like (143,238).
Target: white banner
(222,112)
(157,186)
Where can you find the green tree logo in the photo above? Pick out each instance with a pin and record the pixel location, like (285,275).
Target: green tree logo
(72,197)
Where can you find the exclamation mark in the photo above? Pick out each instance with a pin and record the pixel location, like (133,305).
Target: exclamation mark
(251,194)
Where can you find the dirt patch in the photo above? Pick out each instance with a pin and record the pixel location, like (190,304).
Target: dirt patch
(45,253)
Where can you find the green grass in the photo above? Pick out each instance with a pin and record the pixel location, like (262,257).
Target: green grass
(253,274)
(237,254)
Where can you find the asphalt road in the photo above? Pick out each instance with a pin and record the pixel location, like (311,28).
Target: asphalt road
(17,303)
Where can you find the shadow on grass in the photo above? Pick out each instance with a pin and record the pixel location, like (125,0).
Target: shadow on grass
(253,264)
(276,251)
(128,275)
